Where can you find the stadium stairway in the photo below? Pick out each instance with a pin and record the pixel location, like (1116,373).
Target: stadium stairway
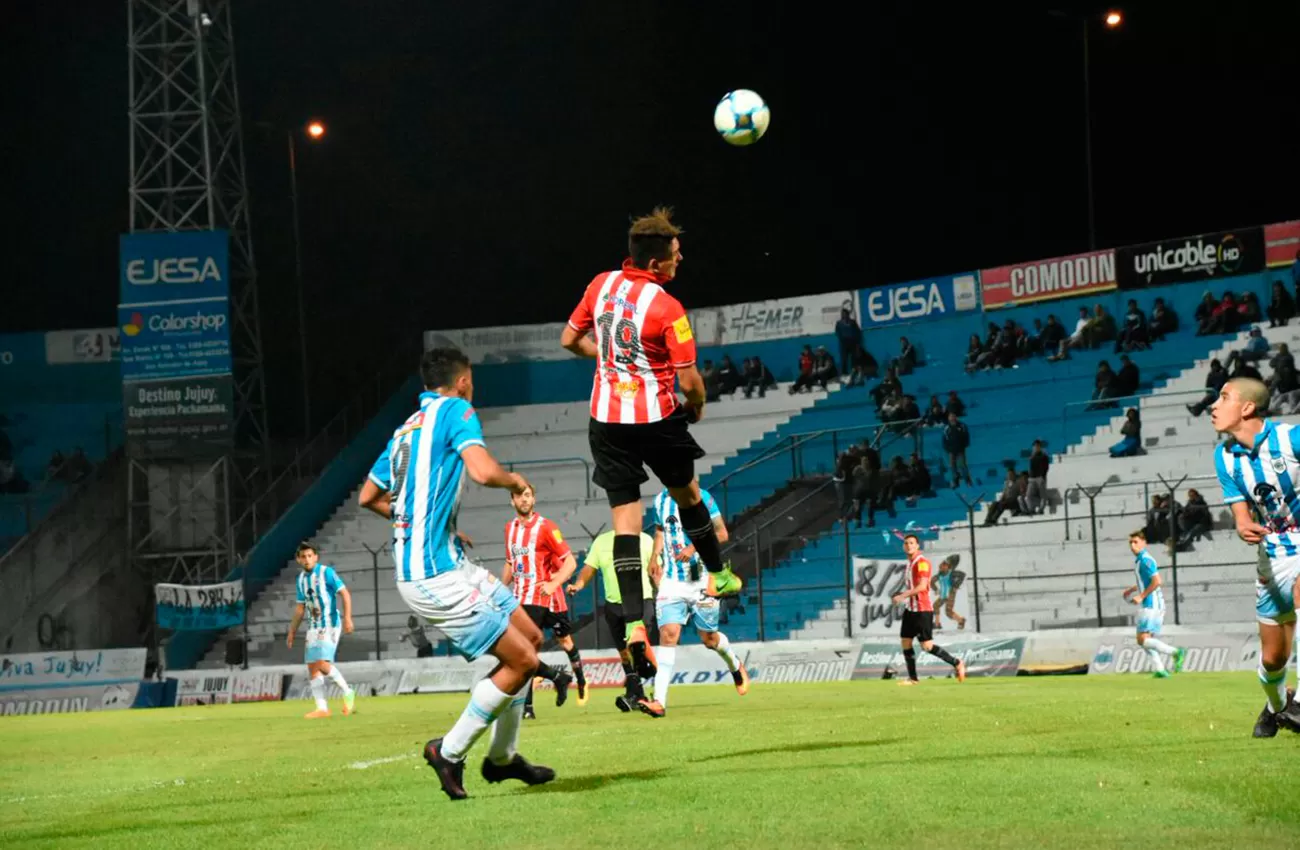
(547,443)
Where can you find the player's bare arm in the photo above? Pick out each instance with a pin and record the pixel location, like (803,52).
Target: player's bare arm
(1247,528)
(508,573)
(298,612)
(375,499)
(563,574)
(656,565)
(579,342)
(584,579)
(1129,591)
(484,470)
(465,539)
(346,596)
(692,384)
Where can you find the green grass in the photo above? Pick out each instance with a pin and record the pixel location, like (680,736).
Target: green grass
(1106,761)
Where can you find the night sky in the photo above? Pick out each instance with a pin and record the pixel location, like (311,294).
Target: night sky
(483,158)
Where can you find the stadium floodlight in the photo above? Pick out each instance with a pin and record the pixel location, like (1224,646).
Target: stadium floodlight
(315,130)
(1114,18)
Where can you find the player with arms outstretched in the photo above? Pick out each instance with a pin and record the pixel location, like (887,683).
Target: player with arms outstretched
(1148,595)
(538,563)
(417,483)
(600,558)
(643,345)
(319,591)
(918,623)
(1259,471)
(685,594)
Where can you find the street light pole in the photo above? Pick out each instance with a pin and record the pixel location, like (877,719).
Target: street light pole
(1087,137)
(297,275)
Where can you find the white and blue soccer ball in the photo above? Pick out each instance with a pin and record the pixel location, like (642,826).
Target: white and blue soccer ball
(741,117)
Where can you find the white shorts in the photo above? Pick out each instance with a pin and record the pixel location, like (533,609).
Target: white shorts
(679,602)
(469,605)
(1275,589)
(322,643)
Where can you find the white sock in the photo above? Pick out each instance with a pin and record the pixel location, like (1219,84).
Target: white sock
(1274,683)
(724,649)
(336,676)
(486,702)
(1160,646)
(318,692)
(505,732)
(1156,661)
(665,656)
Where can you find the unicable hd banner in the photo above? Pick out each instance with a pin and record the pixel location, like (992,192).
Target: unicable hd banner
(919,300)
(1046,280)
(201,607)
(1191,258)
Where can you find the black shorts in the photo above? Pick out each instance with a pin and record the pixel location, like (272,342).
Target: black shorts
(618,625)
(622,452)
(545,618)
(918,625)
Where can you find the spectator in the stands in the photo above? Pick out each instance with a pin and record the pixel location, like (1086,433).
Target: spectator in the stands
(1052,336)
(1008,500)
(1163,321)
(1256,350)
(415,635)
(906,360)
(1248,311)
(79,465)
(909,420)
(729,378)
(1204,315)
(757,377)
(849,334)
(805,379)
(56,470)
(974,353)
(922,481)
(1084,336)
(871,490)
(823,367)
(1162,518)
(955,405)
(1101,386)
(1245,370)
(1195,520)
(1039,461)
(887,387)
(864,367)
(1132,435)
(1284,359)
(1281,307)
(1127,380)
(1284,383)
(1007,346)
(1103,323)
(892,409)
(1224,318)
(1034,338)
(1214,381)
(712,384)
(901,478)
(935,414)
(843,478)
(956,439)
(1133,336)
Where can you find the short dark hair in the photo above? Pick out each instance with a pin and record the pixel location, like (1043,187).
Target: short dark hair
(651,237)
(907,537)
(1140,534)
(440,367)
(305,546)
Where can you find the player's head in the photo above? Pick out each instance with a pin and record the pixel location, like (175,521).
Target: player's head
(911,545)
(524,502)
(446,371)
(1240,400)
(306,555)
(652,243)
(1137,541)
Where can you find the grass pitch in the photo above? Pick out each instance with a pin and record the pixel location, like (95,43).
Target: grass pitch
(1107,761)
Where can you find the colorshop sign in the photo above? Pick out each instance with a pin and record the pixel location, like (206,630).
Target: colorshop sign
(1191,258)
(919,300)
(1046,280)
(59,682)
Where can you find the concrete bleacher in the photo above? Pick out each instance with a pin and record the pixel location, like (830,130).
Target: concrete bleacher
(547,443)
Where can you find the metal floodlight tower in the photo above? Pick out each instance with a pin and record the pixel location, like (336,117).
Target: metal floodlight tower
(187,173)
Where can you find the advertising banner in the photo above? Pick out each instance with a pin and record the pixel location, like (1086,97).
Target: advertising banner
(175,340)
(1046,280)
(784,318)
(521,343)
(1191,258)
(182,417)
(161,266)
(200,688)
(876,582)
(200,607)
(58,682)
(919,300)
(1207,652)
(983,657)
(1281,243)
(68,348)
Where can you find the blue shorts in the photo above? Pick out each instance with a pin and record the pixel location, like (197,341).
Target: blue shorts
(680,602)
(468,605)
(1150,620)
(322,643)
(1275,590)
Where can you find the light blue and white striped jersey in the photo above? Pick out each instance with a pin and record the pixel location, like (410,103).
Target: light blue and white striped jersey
(668,518)
(1146,570)
(423,474)
(1265,476)
(318,593)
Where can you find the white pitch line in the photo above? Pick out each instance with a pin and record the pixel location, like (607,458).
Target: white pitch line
(362,765)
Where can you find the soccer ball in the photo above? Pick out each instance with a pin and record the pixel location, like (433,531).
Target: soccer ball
(741,117)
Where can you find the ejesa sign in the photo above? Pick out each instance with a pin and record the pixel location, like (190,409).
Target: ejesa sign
(919,300)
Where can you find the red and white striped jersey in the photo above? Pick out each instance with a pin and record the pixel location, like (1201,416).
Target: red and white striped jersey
(642,338)
(536,550)
(918,575)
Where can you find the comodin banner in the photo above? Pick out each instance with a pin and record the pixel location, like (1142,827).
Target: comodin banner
(1281,243)
(60,682)
(1046,280)
(1207,652)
